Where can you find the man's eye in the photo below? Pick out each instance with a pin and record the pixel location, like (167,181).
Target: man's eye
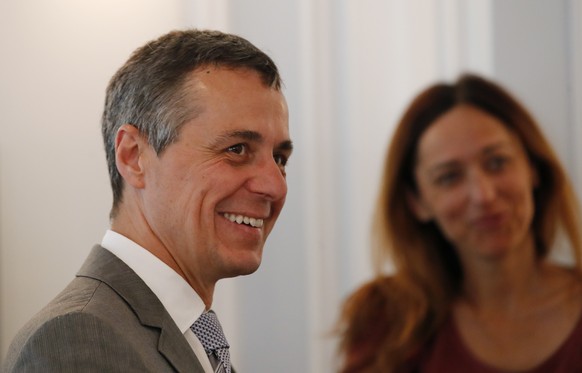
(280,159)
(237,149)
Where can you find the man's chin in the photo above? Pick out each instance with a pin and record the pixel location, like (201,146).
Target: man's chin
(244,268)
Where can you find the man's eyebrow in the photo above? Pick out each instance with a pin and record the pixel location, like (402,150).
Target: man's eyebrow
(245,135)
(254,137)
(286,145)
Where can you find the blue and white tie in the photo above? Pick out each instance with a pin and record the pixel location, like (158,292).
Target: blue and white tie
(208,330)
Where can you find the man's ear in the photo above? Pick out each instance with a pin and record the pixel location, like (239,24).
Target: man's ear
(418,206)
(129,145)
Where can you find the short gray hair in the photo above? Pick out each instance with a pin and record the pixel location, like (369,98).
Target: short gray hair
(149,91)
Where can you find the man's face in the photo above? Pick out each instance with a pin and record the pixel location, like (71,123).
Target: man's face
(212,197)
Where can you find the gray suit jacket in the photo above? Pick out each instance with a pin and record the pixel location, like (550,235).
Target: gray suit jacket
(106,320)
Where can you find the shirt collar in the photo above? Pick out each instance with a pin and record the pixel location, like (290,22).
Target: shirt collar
(181,301)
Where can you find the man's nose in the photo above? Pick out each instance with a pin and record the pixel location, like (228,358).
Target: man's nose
(268,180)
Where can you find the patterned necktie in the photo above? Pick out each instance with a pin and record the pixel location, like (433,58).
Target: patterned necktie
(209,332)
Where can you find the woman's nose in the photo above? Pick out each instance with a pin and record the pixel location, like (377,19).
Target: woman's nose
(482,188)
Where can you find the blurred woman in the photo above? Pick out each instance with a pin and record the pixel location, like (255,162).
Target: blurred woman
(472,203)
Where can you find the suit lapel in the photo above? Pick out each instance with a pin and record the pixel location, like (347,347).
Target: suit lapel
(175,349)
(102,265)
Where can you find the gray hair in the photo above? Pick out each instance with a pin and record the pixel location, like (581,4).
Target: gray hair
(150,90)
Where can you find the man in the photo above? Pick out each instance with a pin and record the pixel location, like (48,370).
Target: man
(196,135)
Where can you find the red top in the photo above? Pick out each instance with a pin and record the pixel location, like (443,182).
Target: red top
(448,354)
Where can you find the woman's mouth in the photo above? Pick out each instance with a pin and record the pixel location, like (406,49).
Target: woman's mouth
(490,221)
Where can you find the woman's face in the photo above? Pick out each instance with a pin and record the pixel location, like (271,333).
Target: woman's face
(476,183)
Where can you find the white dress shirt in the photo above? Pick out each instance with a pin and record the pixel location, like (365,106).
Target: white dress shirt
(181,301)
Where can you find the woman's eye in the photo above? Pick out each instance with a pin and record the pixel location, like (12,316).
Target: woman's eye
(447,178)
(237,149)
(496,163)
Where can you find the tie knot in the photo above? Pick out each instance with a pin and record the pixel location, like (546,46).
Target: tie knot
(209,332)
(207,328)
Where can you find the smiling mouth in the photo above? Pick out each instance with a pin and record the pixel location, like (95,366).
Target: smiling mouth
(489,221)
(241,219)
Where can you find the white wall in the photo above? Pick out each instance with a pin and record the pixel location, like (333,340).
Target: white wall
(349,67)
(534,58)
(57,58)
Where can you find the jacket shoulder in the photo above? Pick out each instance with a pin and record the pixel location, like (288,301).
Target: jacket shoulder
(72,342)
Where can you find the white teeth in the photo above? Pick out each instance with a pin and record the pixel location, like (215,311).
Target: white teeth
(240,219)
